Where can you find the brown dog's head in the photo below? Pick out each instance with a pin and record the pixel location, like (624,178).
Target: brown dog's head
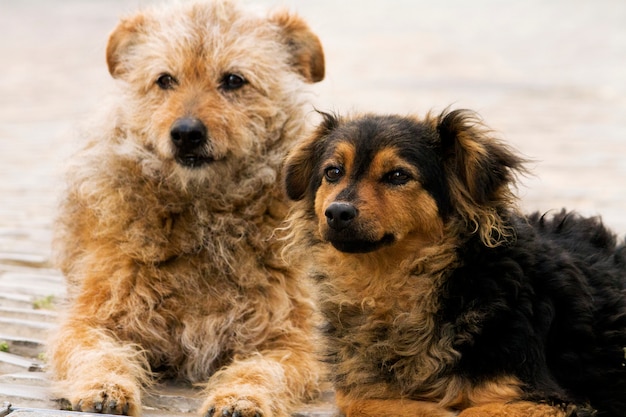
(375,181)
(208,82)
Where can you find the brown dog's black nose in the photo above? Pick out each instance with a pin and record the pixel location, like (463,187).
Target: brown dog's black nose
(188,133)
(340,215)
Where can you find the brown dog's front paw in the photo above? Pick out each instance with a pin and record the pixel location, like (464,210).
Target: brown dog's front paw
(107,398)
(231,407)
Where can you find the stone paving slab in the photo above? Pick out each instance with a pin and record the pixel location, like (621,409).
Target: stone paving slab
(47,412)
(167,399)
(547,76)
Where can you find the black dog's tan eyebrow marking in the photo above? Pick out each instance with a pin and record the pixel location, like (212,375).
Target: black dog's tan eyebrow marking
(372,136)
(389,159)
(342,155)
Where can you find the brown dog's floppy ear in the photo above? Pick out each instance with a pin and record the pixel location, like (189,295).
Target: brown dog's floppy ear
(301,162)
(120,41)
(480,170)
(304,46)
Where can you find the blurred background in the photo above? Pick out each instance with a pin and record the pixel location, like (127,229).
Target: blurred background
(548,75)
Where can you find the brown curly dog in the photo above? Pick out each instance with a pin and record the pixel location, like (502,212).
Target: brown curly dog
(165,233)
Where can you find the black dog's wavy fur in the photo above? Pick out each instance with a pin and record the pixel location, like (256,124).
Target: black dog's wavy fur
(553,311)
(539,297)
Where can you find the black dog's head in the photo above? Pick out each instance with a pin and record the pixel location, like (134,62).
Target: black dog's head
(373,181)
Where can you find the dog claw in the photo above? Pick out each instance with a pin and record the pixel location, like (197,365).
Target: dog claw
(112,406)
(105,407)
(229,412)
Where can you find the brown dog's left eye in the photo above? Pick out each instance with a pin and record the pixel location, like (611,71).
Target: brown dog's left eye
(397,177)
(333,174)
(166,82)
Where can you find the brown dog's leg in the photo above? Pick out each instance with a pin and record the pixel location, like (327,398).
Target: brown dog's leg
(266,384)
(390,408)
(95,373)
(513,409)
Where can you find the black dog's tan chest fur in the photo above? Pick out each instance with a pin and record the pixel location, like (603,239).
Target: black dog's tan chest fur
(390,317)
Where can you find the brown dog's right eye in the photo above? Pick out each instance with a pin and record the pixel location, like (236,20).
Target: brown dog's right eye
(333,174)
(166,82)
(232,82)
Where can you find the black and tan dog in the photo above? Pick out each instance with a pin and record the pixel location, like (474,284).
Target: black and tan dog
(440,298)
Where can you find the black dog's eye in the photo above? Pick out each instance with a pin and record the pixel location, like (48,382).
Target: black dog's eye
(232,82)
(397,177)
(333,174)
(166,82)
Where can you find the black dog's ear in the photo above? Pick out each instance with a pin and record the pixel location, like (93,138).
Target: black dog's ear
(302,160)
(480,170)
(482,163)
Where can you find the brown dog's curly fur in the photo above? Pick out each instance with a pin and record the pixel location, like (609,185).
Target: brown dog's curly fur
(439,296)
(168,247)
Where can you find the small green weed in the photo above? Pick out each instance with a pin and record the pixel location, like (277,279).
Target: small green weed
(45,303)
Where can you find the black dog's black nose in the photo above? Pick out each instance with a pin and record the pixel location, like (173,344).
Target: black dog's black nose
(340,215)
(188,133)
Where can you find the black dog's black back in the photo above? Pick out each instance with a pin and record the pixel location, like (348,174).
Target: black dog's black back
(488,306)
(552,308)
(589,356)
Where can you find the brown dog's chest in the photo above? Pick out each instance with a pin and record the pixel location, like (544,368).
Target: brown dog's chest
(179,327)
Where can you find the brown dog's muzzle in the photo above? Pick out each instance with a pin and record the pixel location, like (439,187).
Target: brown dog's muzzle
(189,136)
